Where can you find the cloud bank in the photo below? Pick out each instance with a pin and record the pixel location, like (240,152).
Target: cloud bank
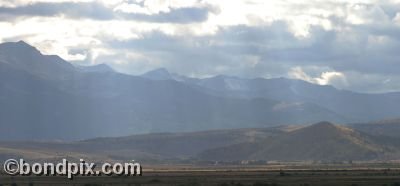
(351,45)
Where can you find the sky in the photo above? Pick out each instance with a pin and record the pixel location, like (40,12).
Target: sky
(353,45)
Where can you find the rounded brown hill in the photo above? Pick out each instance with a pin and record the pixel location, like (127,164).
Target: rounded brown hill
(320,141)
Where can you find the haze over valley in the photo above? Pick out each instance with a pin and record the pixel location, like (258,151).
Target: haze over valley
(44,97)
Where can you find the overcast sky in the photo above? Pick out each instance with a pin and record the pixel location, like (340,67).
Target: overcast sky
(352,45)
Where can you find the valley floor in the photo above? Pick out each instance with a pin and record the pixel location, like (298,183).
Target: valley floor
(230,177)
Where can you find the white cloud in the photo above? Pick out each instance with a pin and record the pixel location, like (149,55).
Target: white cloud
(298,73)
(324,78)
(331,78)
(396,19)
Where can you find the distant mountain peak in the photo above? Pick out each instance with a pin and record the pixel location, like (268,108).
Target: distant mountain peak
(223,77)
(158,74)
(324,124)
(20,43)
(96,68)
(22,56)
(17,48)
(163,71)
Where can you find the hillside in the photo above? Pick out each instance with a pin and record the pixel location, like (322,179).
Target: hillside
(388,128)
(319,142)
(351,106)
(146,147)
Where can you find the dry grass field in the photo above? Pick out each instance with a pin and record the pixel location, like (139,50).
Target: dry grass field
(228,177)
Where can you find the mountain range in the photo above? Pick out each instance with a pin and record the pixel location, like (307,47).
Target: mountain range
(43,97)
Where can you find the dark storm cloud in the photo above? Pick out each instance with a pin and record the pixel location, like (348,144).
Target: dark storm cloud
(181,15)
(73,10)
(276,49)
(97,11)
(226,52)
